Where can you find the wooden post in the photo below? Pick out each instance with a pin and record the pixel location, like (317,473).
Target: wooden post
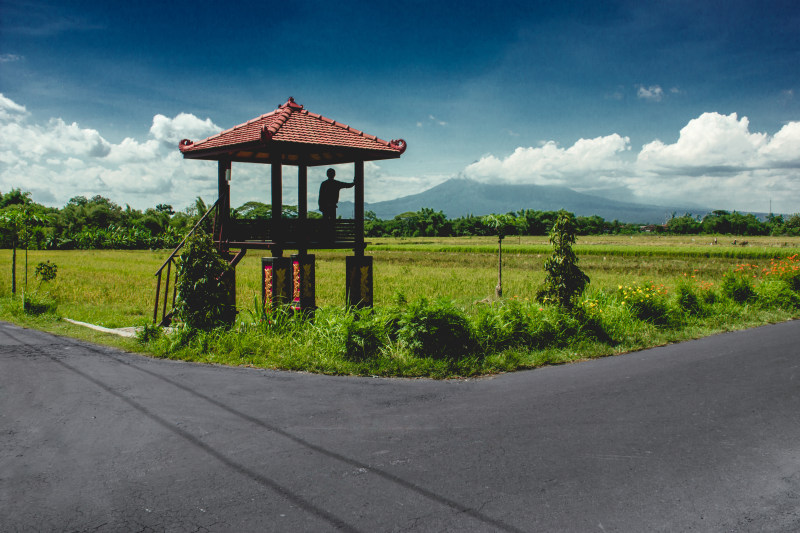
(276,231)
(224,206)
(358,179)
(302,209)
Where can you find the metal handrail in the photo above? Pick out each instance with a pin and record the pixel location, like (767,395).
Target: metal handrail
(168,264)
(178,248)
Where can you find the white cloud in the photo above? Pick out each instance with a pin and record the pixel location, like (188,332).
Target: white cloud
(716,162)
(654,93)
(9,58)
(11,111)
(431,120)
(580,166)
(707,142)
(56,161)
(184,126)
(715,143)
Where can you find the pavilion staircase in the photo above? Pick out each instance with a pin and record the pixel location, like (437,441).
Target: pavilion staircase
(163,296)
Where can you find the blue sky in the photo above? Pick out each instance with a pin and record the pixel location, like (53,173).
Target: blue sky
(688,102)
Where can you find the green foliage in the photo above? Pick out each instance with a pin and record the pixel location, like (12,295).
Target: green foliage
(504,325)
(46,271)
(733,224)
(111,288)
(500,225)
(436,329)
(738,287)
(204,298)
(514,324)
(684,225)
(364,334)
(774,293)
(36,303)
(148,332)
(646,302)
(687,298)
(565,281)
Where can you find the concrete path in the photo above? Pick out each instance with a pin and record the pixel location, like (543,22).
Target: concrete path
(699,436)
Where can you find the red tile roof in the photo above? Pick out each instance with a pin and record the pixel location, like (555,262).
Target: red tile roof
(306,137)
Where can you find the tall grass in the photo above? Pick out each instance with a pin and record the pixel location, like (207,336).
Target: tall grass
(399,338)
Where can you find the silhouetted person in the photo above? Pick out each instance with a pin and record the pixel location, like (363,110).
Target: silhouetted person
(329,195)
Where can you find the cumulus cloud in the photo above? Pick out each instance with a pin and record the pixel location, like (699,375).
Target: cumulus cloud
(714,143)
(11,111)
(57,160)
(580,166)
(654,93)
(716,162)
(184,126)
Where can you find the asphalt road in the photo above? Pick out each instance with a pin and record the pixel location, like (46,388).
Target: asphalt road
(699,436)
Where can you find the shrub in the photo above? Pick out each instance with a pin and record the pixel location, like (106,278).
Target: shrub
(618,322)
(46,271)
(503,325)
(203,299)
(364,335)
(438,330)
(777,293)
(34,303)
(148,332)
(737,287)
(686,296)
(564,281)
(787,270)
(710,297)
(646,302)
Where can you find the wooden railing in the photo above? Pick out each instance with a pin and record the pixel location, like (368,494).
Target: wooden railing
(311,233)
(168,264)
(243,234)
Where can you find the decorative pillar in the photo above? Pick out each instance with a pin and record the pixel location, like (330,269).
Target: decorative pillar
(276,282)
(358,280)
(304,297)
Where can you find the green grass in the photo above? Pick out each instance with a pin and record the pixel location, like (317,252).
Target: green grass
(117,288)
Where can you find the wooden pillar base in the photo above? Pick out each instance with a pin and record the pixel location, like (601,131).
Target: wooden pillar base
(304,295)
(358,281)
(276,282)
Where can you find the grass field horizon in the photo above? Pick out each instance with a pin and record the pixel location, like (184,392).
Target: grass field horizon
(116,288)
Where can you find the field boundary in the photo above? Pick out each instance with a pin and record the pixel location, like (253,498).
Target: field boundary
(728,252)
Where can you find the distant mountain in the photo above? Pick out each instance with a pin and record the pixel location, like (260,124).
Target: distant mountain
(460,197)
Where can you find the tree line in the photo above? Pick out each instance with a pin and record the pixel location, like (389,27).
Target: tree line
(429,223)
(99,223)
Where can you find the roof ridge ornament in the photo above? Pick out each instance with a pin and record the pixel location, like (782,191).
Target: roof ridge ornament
(398,144)
(185,143)
(291,104)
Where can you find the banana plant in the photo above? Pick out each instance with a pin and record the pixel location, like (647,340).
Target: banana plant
(500,225)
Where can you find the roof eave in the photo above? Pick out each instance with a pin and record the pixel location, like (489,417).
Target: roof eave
(308,154)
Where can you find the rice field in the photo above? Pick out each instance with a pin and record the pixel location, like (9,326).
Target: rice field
(117,288)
